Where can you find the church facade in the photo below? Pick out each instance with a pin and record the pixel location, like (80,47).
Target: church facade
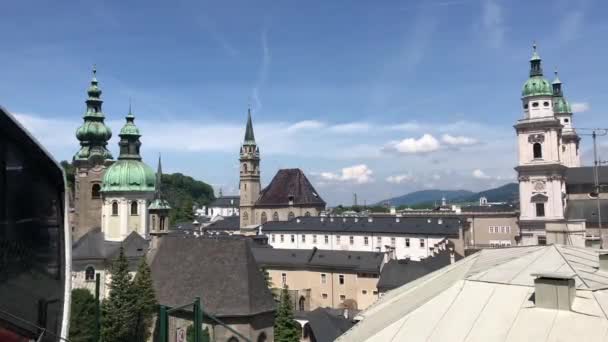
(548,147)
(289,194)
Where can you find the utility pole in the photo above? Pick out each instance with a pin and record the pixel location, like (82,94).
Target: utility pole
(596,180)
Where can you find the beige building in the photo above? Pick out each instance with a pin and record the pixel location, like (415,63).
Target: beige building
(324,278)
(490,226)
(289,194)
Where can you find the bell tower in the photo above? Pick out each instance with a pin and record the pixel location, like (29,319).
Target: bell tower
(540,168)
(563,112)
(90,163)
(249,180)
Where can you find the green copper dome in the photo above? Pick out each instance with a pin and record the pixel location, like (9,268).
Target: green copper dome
(561,106)
(94,131)
(537,86)
(129,128)
(129,175)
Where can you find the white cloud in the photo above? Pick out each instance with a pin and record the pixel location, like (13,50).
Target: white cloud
(426,143)
(479,174)
(492,23)
(351,127)
(398,179)
(359,174)
(436,177)
(304,125)
(580,107)
(406,126)
(458,140)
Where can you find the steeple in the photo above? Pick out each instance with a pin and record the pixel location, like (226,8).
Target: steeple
(535,63)
(129,139)
(249,136)
(159,173)
(557,86)
(93,134)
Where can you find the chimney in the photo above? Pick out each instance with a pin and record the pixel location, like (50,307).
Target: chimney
(345,313)
(604,261)
(554,290)
(370,219)
(452,257)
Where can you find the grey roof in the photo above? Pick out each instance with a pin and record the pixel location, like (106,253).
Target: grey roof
(290,183)
(227,223)
(399,272)
(488,296)
(584,175)
(586,209)
(327,324)
(222,272)
(494,208)
(319,259)
(92,246)
(444,226)
(226,202)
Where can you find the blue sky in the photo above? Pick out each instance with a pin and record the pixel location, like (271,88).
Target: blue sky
(377,98)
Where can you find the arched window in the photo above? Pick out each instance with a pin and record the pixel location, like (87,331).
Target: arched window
(538,151)
(95,191)
(290,216)
(162,223)
(262,337)
(134,208)
(275,216)
(233,339)
(114,208)
(307,214)
(154,222)
(89,273)
(301,303)
(245,218)
(264,218)
(245,168)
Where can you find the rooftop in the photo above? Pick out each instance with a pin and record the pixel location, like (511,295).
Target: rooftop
(225,223)
(290,185)
(226,202)
(394,225)
(93,246)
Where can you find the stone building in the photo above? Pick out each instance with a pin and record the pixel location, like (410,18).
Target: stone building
(288,195)
(90,162)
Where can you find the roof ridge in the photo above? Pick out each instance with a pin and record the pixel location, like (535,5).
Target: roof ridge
(571,267)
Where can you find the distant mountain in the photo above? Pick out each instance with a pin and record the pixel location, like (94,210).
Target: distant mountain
(427,196)
(505,193)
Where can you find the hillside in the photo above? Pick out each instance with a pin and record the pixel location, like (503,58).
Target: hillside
(427,198)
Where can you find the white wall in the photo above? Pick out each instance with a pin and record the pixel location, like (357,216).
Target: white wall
(223,211)
(339,241)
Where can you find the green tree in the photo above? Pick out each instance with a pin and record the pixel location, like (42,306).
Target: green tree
(190,334)
(70,172)
(145,302)
(118,309)
(82,317)
(285,327)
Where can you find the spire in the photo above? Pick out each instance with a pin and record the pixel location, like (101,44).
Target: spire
(249,137)
(129,139)
(557,85)
(159,173)
(535,63)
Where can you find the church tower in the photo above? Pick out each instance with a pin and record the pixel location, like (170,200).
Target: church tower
(90,163)
(540,169)
(570,140)
(249,180)
(159,209)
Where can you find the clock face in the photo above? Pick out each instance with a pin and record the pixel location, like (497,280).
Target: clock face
(539,186)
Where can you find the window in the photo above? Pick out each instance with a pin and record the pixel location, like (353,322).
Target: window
(324,296)
(364,292)
(290,216)
(275,216)
(537,150)
(301,303)
(342,297)
(503,229)
(365,240)
(393,241)
(264,218)
(375,293)
(534,104)
(272,238)
(293,239)
(284,278)
(338,239)
(282,238)
(114,208)
(95,191)
(491,229)
(307,214)
(89,273)
(351,240)
(540,209)
(341,279)
(407,242)
(245,218)
(421,243)
(262,337)
(244,167)
(314,239)
(154,222)
(233,339)
(326,239)
(323,278)
(134,208)
(525,106)
(566,120)
(379,240)
(542,240)
(546,104)
(303,238)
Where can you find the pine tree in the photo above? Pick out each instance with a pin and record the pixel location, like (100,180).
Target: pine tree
(145,302)
(118,308)
(285,327)
(82,316)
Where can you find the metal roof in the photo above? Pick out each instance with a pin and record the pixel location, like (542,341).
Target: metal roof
(488,296)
